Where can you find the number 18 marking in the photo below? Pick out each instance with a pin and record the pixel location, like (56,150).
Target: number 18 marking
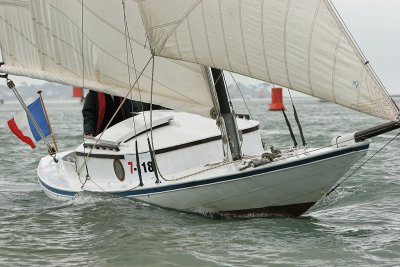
(146,167)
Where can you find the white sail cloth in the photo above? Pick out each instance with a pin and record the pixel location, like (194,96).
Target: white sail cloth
(43,39)
(298,44)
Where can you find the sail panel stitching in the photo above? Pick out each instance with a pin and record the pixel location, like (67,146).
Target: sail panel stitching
(177,45)
(224,36)
(310,39)
(342,26)
(285,43)
(242,34)
(134,40)
(207,37)
(334,65)
(24,4)
(172,23)
(263,41)
(360,82)
(191,40)
(4,52)
(35,26)
(124,63)
(104,21)
(168,35)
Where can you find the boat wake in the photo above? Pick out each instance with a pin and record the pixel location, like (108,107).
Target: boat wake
(334,199)
(86,197)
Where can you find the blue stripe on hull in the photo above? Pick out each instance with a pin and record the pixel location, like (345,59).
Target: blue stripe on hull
(232,177)
(56,191)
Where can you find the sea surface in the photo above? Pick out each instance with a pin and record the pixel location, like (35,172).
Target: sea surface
(357,225)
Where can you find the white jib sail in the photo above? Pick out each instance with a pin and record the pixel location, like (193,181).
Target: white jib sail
(298,44)
(43,39)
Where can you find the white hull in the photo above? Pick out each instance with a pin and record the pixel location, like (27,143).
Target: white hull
(288,186)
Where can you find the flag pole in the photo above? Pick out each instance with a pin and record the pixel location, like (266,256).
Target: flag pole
(48,121)
(11,85)
(51,149)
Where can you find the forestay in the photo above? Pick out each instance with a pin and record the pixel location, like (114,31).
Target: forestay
(43,39)
(297,44)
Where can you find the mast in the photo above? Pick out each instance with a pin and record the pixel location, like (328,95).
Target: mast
(226,113)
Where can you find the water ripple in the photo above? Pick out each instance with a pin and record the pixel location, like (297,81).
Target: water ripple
(357,225)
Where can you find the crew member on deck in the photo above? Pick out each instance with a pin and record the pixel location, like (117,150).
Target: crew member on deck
(99,108)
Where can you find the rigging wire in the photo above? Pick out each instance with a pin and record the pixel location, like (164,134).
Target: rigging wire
(83,86)
(359,167)
(119,107)
(151,150)
(241,94)
(127,61)
(127,37)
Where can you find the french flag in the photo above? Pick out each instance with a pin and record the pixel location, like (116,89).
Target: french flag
(22,126)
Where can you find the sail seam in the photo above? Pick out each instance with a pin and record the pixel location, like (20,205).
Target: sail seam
(191,40)
(35,47)
(41,53)
(177,45)
(206,32)
(78,53)
(35,27)
(285,44)
(88,38)
(120,61)
(360,82)
(119,31)
(377,102)
(242,34)
(334,65)
(4,52)
(159,26)
(223,35)
(176,23)
(263,41)
(357,50)
(316,12)
(105,22)
(24,4)
(17,31)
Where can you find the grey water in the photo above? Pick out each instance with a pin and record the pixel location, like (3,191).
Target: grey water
(357,225)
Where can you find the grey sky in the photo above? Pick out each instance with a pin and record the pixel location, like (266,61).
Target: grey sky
(375,26)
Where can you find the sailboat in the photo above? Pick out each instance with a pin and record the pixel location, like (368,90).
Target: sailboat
(198,156)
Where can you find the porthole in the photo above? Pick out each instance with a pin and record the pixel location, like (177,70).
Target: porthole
(119,170)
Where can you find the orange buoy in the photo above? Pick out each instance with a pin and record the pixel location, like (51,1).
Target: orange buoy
(276,99)
(77,92)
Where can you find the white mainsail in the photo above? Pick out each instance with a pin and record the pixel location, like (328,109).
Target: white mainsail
(298,44)
(43,39)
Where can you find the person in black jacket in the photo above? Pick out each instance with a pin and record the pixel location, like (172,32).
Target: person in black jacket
(99,108)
